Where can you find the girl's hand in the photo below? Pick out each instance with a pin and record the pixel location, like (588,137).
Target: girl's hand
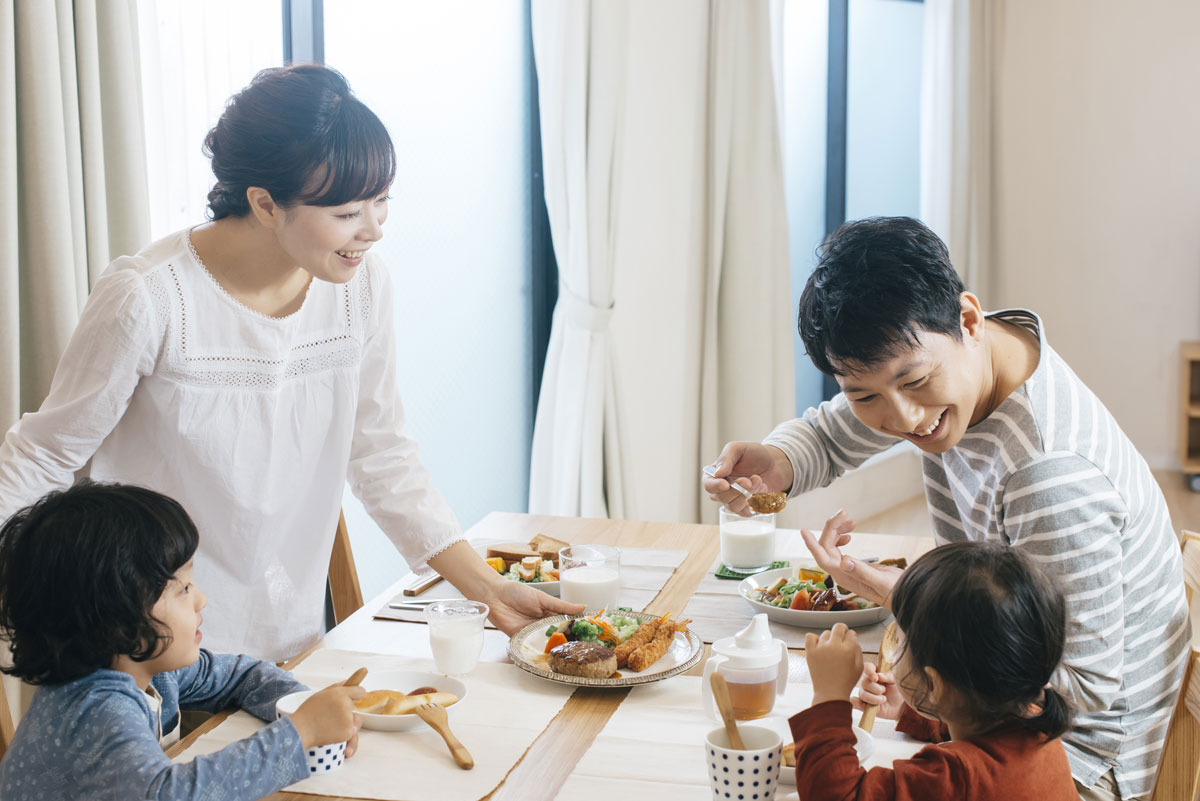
(880,690)
(329,717)
(515,605)
(863,578)
(835,662)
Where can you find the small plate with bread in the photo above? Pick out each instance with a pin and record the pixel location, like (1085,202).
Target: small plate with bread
(392,698)
(534,562)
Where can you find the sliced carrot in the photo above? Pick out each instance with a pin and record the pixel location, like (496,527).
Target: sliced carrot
(556,639)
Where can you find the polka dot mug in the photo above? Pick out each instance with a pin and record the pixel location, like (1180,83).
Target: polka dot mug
(750,775)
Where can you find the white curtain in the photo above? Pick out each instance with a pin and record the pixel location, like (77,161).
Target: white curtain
(957,155)
(663,175)
(73,194)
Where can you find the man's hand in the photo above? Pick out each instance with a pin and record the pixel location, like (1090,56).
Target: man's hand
(835,662)
(870,581)
(757,467)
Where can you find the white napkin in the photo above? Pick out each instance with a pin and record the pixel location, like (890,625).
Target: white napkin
(718,610)
(503,713)
(653,745)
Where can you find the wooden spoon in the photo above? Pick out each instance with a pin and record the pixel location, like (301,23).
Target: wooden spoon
(721,696)
(355,678)
(435,716)
(887,658)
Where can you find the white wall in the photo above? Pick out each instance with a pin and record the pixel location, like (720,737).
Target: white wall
(1098,195)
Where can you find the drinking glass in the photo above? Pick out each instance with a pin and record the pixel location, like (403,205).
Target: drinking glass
(590,575)
(456,634)
(747,543)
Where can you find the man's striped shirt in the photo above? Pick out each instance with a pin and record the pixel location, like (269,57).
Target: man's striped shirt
(1050,472)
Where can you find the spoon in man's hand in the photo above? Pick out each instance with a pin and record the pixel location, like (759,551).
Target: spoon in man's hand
(760,502)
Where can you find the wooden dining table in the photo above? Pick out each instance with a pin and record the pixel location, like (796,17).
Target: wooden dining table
(545,766)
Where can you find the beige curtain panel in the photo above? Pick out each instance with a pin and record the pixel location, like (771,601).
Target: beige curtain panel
(74,191)
(73,194)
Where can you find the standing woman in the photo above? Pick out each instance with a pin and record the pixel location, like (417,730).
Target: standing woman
(247,368)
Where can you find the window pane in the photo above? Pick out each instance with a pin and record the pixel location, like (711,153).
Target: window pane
(449,79)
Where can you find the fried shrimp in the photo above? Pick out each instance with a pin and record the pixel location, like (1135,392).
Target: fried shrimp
(643,635)
(652,651)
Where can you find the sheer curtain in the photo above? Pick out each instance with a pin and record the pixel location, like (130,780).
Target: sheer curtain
(664,185)
(74,193)
(957,154)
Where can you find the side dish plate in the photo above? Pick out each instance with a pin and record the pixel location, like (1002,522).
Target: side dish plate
(803,618)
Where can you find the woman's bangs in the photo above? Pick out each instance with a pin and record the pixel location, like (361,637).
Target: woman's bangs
(359,163)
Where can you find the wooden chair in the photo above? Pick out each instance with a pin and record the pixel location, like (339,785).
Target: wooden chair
(343,587)
(1179,771)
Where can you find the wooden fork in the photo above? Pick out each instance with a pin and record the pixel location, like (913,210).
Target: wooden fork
(435,716)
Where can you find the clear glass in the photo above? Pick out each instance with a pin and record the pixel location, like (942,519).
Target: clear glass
(747,543)
(456,634)
(590,575)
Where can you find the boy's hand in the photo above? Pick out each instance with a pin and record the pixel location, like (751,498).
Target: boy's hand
(880,690)
(757,467)
(835,662)
(329,717)
(867,580)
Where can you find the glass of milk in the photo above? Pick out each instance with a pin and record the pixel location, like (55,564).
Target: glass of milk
(456,634)
(590,575)
(747,543)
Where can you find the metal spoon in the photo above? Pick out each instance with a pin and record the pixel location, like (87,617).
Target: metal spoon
(708,471)
(760,502)
(887,658)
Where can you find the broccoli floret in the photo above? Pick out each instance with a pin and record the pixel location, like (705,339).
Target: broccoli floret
(585,630)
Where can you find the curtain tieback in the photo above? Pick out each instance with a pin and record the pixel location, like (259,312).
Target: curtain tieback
(582,313)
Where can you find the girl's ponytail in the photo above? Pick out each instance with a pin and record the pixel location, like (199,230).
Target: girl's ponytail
(1051,717)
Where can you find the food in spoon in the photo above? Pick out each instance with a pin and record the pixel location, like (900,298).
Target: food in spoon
(652,651)
(394,702)
(767,502)
(590,660)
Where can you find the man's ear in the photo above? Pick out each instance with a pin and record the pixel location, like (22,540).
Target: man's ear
(264,208)
(971,316)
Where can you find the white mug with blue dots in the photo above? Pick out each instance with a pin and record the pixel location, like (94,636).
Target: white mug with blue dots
(750,775)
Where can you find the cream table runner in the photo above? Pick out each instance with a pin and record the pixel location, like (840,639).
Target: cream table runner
(653,745)
(503,713)
(718,610)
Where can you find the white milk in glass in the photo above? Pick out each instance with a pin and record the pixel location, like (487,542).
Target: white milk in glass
(456,645)
(594,586)
(748,543)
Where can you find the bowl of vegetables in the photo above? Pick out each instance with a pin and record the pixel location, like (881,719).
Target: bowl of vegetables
(808,597)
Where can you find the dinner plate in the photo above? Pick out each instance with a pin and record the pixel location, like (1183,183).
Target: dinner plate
(801,617)
(548,587)
(402,680)
(864,746)
(527,650)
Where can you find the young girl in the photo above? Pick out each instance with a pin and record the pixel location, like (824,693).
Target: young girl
(98,602)
(982,630)
(247,368)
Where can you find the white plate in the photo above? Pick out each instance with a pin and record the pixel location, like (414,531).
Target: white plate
(402,680)
(548,587)
(527,650)
(864,746)
(803,618)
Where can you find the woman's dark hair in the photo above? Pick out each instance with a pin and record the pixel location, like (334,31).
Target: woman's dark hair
(993,625)
(301,134)
(878,283)
(80,572)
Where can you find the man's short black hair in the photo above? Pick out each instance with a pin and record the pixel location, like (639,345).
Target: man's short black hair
(878,283)
(80,573)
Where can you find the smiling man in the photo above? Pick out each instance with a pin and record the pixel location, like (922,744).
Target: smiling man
(1016,449)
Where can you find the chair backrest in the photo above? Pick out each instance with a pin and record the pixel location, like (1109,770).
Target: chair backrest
(1179,772)
(343,575)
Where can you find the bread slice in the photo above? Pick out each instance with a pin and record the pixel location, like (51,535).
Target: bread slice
(376,701)
(511,551)
(407,704)
(547,547)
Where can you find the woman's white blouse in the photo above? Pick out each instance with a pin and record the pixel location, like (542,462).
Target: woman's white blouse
(252,423)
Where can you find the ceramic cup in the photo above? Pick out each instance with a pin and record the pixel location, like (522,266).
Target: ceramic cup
(323,758)
(750,775)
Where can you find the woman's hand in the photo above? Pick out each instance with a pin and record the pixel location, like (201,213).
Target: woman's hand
(879,690)
(328,717)
(870,581)
(516,605)
(835,662)
(757,467)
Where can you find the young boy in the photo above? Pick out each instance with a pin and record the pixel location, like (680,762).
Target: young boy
(1017,450)
(97,600)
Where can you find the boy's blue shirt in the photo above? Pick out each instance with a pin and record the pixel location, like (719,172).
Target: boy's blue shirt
(96,737)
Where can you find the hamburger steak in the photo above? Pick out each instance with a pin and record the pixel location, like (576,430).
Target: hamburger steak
(591,660)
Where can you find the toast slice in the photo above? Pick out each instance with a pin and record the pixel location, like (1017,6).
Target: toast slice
(547,546)
(511,552)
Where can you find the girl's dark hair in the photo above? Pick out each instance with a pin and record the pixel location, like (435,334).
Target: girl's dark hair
(301,134)
(80,572)
(878,283)
(992,624)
